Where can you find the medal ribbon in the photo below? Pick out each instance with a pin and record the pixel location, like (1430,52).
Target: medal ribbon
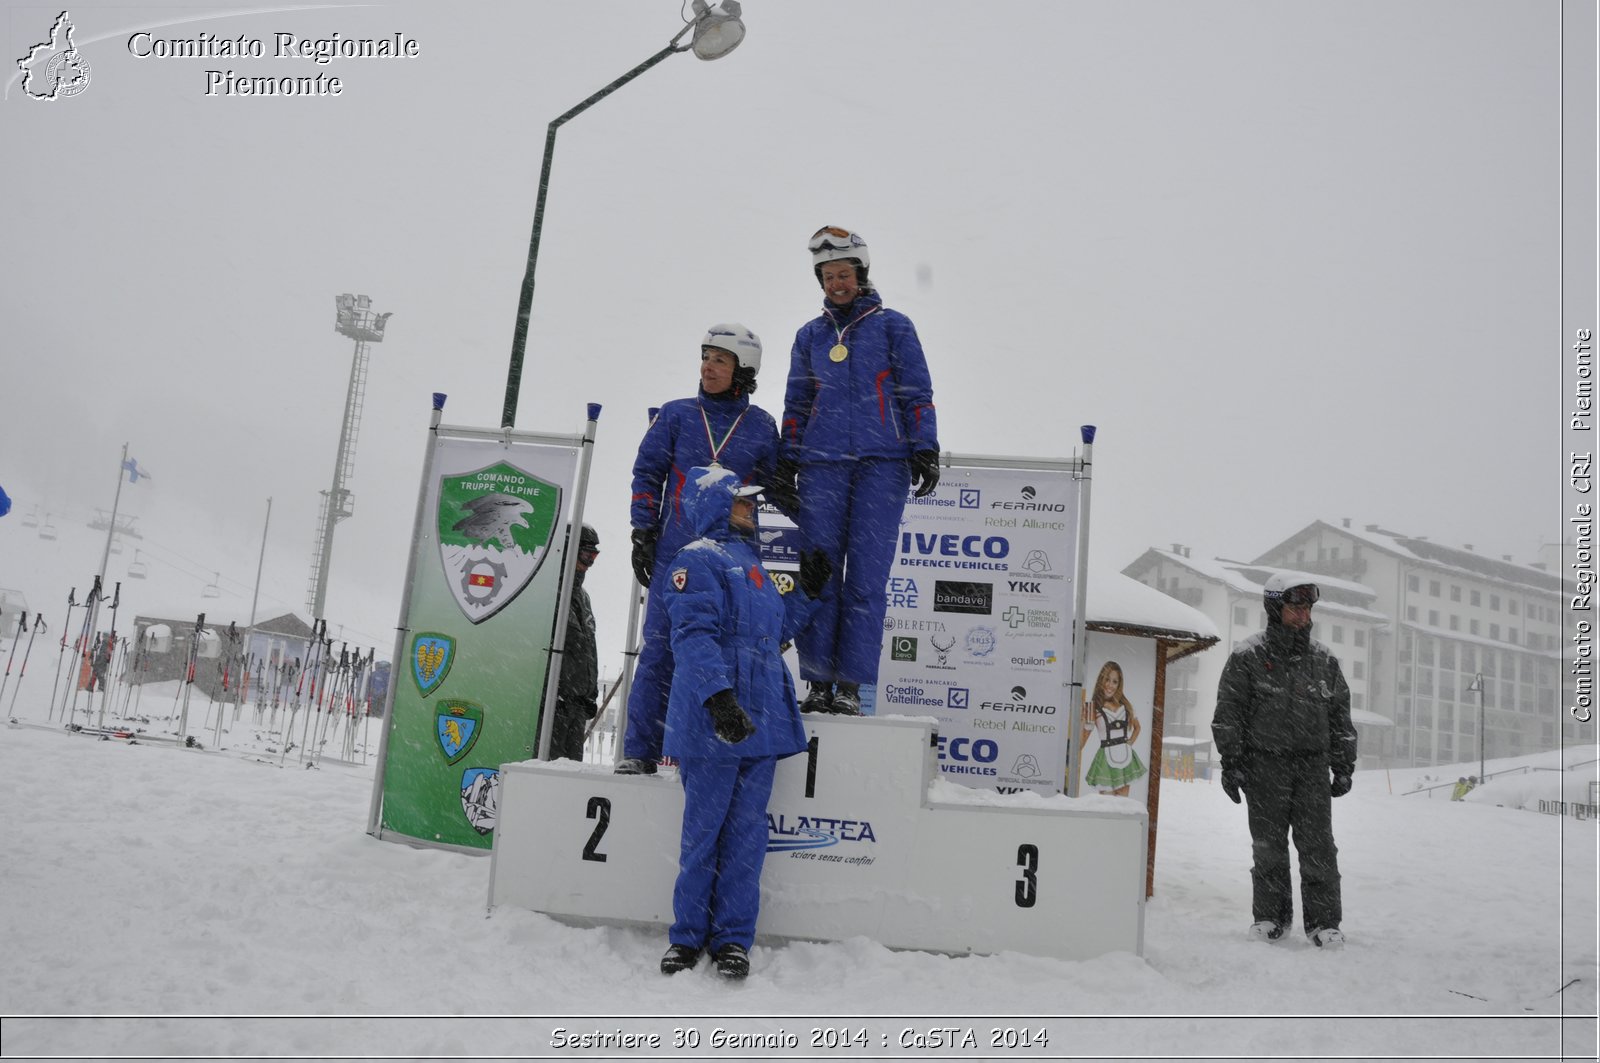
(853,324)
(716,448)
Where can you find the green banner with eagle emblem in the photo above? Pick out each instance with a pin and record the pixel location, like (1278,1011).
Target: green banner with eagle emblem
(478,627)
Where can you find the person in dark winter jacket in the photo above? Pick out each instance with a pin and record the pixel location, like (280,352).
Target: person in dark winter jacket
(1282,727)
(719,426)
(578,695)
(858,430)
(731,717)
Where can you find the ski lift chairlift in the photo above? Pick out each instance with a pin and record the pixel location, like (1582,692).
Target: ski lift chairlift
(137,569)
(47,530)
(32,519)
(211,589)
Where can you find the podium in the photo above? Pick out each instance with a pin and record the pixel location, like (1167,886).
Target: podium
(864,838)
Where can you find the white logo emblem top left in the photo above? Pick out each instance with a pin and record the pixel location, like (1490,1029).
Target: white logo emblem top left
(55,69)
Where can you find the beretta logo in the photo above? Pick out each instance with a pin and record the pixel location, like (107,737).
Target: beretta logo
(953,596)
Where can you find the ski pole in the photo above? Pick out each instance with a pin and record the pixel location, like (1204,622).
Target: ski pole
(65,627)
(22,626)
(38,625)
(105,683)
(85,644)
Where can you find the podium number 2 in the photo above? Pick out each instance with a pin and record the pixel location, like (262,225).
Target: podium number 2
(1028,885)
(600,808)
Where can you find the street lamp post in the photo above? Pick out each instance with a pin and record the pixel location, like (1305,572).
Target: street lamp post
(1483,736)
(717,31)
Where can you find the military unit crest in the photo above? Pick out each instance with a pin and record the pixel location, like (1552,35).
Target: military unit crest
(495,528)
(432,655)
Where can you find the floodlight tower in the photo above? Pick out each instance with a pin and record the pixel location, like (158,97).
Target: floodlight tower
(357,320)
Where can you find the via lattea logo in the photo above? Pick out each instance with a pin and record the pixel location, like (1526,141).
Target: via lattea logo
(55,69)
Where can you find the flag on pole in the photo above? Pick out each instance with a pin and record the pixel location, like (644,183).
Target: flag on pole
(131,467)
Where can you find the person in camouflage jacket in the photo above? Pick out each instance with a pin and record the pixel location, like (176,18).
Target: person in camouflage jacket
(578,695)
(1281,726)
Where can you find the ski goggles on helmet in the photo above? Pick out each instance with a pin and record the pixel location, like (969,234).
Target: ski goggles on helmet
(1306,594)
(833,238)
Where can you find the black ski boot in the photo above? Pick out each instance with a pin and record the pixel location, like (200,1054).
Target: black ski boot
(634,766)
(820,699)
(732,961)
(847,700)
(679,958)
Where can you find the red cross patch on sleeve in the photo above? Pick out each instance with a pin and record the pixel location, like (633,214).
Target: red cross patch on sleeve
(680,578)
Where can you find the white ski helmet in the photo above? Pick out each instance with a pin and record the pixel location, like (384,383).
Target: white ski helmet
(744,345)
(1289,588)
(831,243)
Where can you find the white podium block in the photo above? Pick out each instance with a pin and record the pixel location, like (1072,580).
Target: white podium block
(856,846)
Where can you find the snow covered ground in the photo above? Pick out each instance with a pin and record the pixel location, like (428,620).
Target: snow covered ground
(164,901)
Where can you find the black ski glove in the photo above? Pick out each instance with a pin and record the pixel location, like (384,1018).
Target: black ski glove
(644,554)
(1341,784)
(783,488)
(1232,783)
(925,471)
(815,572)
(732,723)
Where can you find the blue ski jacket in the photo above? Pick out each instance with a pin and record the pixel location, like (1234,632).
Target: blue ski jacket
(876,402)
(728,624)
(685,433)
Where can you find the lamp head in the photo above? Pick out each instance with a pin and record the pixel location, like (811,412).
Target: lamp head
(717,29)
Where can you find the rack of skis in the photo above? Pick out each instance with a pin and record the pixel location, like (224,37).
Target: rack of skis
(317,705)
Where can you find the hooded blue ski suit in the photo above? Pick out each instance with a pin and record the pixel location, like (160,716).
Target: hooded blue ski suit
(686,433)
(728,621)
(852,426)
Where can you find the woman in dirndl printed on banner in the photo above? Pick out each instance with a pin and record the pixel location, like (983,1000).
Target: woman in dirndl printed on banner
(1116,764)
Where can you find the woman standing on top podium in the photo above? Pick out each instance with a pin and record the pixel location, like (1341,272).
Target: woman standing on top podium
(858,430)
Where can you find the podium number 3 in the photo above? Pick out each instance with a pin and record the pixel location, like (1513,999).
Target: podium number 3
(600,808)
(1028,884)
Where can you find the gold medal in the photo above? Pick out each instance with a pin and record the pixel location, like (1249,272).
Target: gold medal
(839,353)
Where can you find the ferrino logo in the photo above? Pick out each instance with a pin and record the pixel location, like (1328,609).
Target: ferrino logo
(1019,703)
(1029,505)
(788,833)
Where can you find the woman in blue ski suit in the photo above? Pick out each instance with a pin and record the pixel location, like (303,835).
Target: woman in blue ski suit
(732,715)
(719,426)
(858,429)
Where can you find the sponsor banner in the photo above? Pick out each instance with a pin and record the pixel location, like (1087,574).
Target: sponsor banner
(978,632)
(482,608)
(1114,721)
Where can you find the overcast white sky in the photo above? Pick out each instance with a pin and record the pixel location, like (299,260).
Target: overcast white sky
(1295,260)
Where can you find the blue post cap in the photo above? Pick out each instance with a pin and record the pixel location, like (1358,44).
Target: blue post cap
(438,400)
(594,411)
(1087,432)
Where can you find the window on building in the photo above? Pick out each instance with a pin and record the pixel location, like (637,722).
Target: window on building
(1433,588)
(1475,598)
(1360,636)
(1425,682)
(1424,713)
(1413,583)
(1425,650)
(1333,555)
(1402,746)
(1356,700)
(1511,635)
(1494,631)
(1358,669)
(1447,747)
(1411,613)
(1447,717)
(1469,659)
(1338,632)
(1469,723)
(1472,627)
(1455,622)
(1433,618)
(1239,616)
(1455,592)
(1447,655)
(1299,557)
(1511,606)
(1494,602)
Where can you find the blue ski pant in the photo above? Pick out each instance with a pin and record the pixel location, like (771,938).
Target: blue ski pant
(652,675)
(851,512)
(718,893)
